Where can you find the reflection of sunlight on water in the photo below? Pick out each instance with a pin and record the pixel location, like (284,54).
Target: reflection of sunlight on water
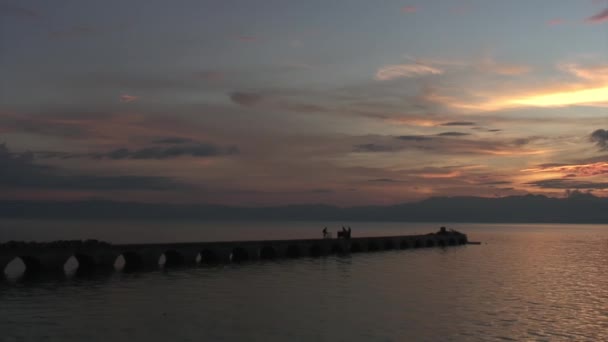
(15,269)
(119,263)
(529,282)
(71,266)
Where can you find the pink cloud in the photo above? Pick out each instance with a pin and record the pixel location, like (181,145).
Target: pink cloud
(409,9)
(126,98)
(556,22)
(599,18)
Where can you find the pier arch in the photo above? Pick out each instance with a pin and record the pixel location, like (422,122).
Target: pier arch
(268,253)
(129,262)
(336,248)
(388,244)
(207,256)
(79,264)
(430,243)
(315,251)
(171,258)
(404,244)
(417,244)
(355,247)
(21,266)
(239,254)
(372,246)
(293,251)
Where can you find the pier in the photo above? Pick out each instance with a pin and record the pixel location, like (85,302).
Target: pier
(95,256)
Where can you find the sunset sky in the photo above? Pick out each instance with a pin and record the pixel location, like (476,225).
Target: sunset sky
(271,102)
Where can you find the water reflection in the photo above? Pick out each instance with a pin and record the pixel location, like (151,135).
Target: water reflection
(535,284)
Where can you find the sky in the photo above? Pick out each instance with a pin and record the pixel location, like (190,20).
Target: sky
(274,102)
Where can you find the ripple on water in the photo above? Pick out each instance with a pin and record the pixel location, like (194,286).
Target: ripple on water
(534,284)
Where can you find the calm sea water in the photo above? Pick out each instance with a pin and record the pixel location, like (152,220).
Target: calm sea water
(525,282)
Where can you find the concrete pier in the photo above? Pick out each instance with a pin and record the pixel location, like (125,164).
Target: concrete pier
(92,256)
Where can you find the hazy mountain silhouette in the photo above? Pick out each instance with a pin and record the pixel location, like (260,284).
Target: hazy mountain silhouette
(578,207)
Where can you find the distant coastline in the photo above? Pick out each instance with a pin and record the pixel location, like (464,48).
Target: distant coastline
(583,208)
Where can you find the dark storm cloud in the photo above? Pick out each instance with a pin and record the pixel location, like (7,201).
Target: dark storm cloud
(173,140)
(179,147)
(459,123)
(600,138)
(194,150)
(416,138)
(384,180)
(19,170)
(375,148)
(568,184)
(451,143)
(452,134)
(246,99)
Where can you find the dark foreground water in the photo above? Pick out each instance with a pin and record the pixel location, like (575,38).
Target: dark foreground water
(525,282)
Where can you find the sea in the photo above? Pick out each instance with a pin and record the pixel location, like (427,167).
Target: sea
(524,282)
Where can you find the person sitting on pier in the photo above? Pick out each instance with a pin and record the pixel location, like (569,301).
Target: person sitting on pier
(348,233)
(325,233)
(442,231)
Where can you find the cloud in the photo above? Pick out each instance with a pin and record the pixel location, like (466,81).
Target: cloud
(592,73)
(181,148)
(490,65)
(19,170)
(384,180)
(458,123)
(18,11)
(413,138)
(571,170)
(173,140)
(600,138)
(375,148)
(561,183)
(194,150)
(126,98)
(556,22)
(246,99)
(409,9)
(452,134)
(599,18)
(449,145)
(391,72)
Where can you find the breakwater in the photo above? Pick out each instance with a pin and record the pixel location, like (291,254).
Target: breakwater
(96,256)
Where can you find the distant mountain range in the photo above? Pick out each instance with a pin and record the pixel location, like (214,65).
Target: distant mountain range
(579,208)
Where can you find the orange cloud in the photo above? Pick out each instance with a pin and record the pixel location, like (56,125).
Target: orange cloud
(452,174)
(575,170)
(490,65)
(409,9)
(126,98)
